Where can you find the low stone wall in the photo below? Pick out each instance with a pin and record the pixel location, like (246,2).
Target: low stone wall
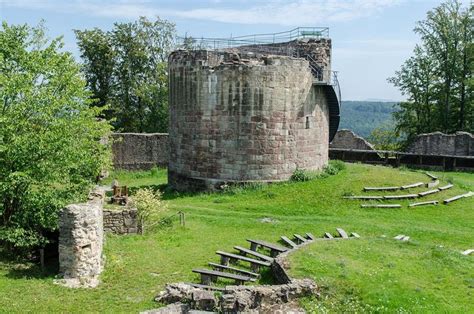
(121,221)
(437,143)
(349,140)
(281,298)
(183,297)
(140,151)
(81,238)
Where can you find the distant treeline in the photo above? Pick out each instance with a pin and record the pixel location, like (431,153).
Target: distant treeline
(363,117)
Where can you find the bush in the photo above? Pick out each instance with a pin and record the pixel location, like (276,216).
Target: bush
(333,168)
(301,175)
(338,164)
(52,146)
(149,205)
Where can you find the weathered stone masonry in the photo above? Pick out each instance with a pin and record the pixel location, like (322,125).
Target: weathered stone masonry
(437,143)
(237,117)
(121,221)
(347,139)
(140,151)
(81,239)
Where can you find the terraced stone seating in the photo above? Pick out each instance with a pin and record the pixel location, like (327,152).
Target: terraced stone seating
(244,252)
(231,269)
(275,249)
(255,259)
(209,276)
(230,257)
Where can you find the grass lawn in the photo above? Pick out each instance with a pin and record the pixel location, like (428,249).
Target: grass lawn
(373,273)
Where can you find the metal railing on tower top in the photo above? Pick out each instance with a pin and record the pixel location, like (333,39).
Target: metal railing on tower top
(255,39)
(271,43)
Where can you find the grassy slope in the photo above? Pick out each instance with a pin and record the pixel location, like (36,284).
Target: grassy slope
(138,266)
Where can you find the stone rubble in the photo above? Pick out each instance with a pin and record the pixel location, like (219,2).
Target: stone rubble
(236,299)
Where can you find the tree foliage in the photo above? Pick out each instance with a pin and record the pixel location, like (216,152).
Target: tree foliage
(385,138)
(126,71)
(50,148)
(437,79)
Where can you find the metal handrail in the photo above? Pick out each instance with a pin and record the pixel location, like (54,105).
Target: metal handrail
(269,38)
(262,43)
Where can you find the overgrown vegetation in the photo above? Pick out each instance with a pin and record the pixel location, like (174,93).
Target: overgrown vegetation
(437,79)
(149,206)
(51,143)
(138,266)
(332,168)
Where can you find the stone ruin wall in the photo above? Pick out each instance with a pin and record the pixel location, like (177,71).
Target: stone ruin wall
(121,221)
(140,151)
(242,117)
(81,238)
(318,50)
(437,143)
(346,139)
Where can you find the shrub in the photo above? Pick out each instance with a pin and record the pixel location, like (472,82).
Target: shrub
(52,146)
(301,175)
(338,164)
(149,205)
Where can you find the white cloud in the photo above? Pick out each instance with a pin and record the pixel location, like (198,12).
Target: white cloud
(280,12)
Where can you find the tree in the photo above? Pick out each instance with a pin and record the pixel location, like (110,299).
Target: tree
(437,79)
(384,138)
(126,70)
(51,146)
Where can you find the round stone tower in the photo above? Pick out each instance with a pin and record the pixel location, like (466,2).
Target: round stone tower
(242,117)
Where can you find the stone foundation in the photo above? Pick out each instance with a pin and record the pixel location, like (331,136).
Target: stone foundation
(121,221)
(236,299)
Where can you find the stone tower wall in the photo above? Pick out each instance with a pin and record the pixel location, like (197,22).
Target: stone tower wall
(242,117)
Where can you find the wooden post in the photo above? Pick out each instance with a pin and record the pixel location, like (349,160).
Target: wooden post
(41,251)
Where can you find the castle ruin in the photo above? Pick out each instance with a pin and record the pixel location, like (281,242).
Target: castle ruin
(251,111)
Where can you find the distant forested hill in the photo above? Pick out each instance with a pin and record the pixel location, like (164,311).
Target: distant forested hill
(363,116)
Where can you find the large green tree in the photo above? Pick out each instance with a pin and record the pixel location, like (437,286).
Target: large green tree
(437,79)
(126,71)
(51,141)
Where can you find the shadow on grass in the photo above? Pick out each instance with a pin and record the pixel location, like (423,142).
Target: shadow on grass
(22,268)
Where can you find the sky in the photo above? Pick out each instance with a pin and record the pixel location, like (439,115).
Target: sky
(370,38)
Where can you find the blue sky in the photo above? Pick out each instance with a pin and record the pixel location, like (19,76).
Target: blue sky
(371,38)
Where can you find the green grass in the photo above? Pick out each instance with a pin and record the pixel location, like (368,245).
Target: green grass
(138,267)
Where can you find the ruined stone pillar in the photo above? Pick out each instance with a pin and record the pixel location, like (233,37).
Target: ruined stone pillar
(81,239)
